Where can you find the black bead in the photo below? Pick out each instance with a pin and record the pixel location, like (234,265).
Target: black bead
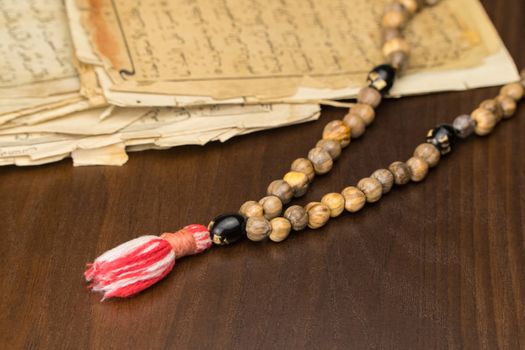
(442,137)
(382,78)
(227,228)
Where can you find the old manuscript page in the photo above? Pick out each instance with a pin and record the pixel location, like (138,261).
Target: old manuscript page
(40,79)
(84,134)
(269,49)
(35,49)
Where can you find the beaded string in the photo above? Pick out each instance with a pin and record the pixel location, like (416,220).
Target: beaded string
(439,142)
(336,136)
(135,265)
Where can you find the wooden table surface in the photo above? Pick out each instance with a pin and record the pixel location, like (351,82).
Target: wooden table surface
(431,266)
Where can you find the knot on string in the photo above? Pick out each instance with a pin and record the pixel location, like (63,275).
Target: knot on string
(192,239)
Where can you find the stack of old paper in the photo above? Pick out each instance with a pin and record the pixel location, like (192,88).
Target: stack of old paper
(93,79)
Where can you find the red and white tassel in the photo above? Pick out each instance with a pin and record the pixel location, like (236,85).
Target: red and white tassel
(135,265)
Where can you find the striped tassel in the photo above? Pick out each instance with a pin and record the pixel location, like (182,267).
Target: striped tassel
(136,265)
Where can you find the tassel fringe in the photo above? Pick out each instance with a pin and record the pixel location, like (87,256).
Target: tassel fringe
(136,265)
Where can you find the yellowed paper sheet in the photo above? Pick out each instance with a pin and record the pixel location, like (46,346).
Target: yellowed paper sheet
(82,123)
(51,106)
(27,161)
(14,105)
(39,80)
(49,114)
(108,155)
(90,87)
(140,128)
(35,49)
(267,51)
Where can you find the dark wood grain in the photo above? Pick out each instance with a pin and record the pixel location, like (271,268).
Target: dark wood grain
(431,266)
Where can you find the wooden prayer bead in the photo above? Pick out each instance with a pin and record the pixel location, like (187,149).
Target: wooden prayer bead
(331,146)
(355,199)
(318,214)
(485,121)
(338,131)
(304,166)
(514,91)
(280,189)
(356,124)
(391,33)
(321,160)
(258,228)
(429,153)
(396,44)
(411,5)
(395,16)
(280,229)
(493,106)
(401,173)
(371,188)
(398,59)
(369,96)
(418,168)
(364,111)
(298,182)
(297,216)
(508,105)
(465,125)
(386,179)
(335,202)
(272,206)
(251,208)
